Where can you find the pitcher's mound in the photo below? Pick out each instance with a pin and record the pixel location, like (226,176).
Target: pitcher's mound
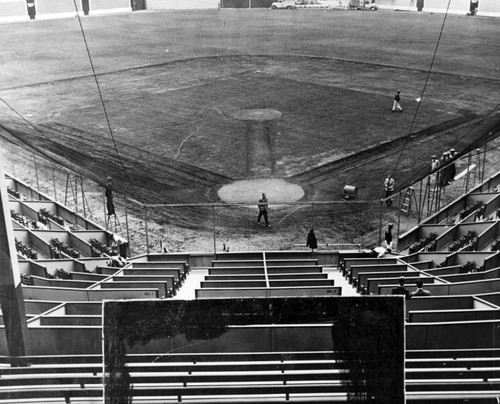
(250,191)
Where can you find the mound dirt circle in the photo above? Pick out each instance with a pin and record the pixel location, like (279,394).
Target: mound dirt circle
(249,191)
(260,115)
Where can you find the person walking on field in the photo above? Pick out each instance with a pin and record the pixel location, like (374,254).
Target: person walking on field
(396,106)
(389,189)
(263,209)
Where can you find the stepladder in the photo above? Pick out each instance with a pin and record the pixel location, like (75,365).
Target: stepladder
(408,199)
(113,224)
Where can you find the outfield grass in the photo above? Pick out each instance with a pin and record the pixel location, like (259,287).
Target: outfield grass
(332,74)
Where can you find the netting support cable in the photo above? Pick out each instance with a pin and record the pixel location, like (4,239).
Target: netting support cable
(103,104)
(421,98)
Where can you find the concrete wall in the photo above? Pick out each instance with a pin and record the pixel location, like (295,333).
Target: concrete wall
(14,10)
(109,6)
(461,7)
(486,7)
(46,9)
(180,4)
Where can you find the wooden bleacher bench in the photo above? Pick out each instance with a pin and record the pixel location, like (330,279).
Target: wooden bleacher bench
(86,276)
(298,275)
(79,294)
(249,374)
(181,265)
(277,269)
(106,270)
(262,377)
(171,282)
(368,279)
(450,356)
(67,320)
(292,291)
(455,288)
(269,263)
(482,364)
(349,262)
(170,272)
(260,270)
(163,287)
(373,285)
(61,283)
(84,369)
(355,270)
(235,356)
(453,315)
(262,283)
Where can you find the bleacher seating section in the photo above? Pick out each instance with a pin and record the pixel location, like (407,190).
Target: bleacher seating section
(453,336)
(307,377)
(265,276)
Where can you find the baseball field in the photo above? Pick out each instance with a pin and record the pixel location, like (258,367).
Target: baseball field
(176,105)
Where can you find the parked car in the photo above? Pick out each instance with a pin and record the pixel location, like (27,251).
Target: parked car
(310,4)
(283,4)
(363,5)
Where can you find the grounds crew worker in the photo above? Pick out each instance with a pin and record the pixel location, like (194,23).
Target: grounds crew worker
(263,210)
(389,189)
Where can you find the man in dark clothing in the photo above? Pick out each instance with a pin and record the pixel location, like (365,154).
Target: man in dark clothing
(388,235)
(312,242)
(446,169)
(109,197)
(473,7)
(263,210)
(401,290)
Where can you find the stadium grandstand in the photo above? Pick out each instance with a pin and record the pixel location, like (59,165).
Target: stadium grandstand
(138,147)
(66,271)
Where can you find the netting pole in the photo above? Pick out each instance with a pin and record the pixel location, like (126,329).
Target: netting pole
(420,201)
(484,163)
(381,210)
(468,173)
(105,211)
(213,230)
(13,164)
(36,173)
(54,182)
(83,197)
(314,216)
(126,223)
(477,172)
(399,214)
(146,228)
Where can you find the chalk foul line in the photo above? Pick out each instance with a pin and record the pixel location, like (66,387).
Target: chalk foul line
(185,140)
